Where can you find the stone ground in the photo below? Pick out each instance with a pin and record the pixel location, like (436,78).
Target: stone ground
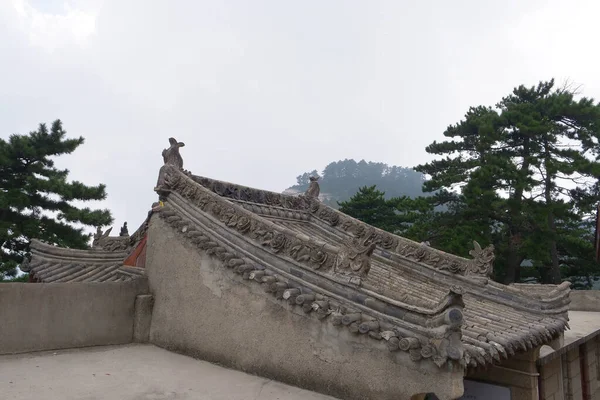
(582,323)
(146,372)
(132,372)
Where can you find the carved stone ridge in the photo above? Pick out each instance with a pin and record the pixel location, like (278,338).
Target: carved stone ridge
(313,254)
(251,195)
(480,266)
(439,346)
(123,242)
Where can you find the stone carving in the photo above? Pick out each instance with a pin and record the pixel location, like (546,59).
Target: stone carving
(482,263)
(313,189)
(124,231)
(171,157)
(251,195)
(354,260)
(123,242)
(100,236)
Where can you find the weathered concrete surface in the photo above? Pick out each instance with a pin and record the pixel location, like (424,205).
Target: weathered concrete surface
(142,318)
(45,316)
(132,372)
(582,323)
(585,300)
(205,310)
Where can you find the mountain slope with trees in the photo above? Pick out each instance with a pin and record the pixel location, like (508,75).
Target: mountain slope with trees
(340,180)
(36,200)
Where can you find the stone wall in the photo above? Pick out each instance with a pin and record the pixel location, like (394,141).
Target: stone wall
(551,380)
(48,316)
(585,300)
(205,310)
(572,372)
(518,373)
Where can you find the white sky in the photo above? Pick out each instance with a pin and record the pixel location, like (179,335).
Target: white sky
(261,91)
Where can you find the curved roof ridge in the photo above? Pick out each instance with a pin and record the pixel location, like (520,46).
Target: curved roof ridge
(477,270)
(41,248)
(404,246)
(299,247)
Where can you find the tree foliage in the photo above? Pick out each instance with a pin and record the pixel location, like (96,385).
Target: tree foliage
(37,200)
(369,205)
(522,175)
(527,169)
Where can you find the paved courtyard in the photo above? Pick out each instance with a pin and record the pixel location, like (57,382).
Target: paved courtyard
(582,323)
(132,372)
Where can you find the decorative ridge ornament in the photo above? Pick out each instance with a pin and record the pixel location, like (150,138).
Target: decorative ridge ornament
(171,157)
(482,263)
(124,230)
(354,260)
(313,189)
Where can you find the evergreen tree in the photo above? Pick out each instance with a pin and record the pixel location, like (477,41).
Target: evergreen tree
(370,206)
(510,166)
(36,200)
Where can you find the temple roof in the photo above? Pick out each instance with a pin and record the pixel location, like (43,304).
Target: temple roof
(417,298)
(430,304)
(104,262)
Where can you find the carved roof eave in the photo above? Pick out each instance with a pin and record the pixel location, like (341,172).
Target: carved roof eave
(466,272)
(55,264)
(439,327)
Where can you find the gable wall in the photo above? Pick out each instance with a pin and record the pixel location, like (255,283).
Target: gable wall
(205,310)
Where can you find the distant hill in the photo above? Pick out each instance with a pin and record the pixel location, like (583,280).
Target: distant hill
(340,180)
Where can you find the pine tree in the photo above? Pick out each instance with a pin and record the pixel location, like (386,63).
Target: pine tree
(370,206)
(36,200)
(510,165)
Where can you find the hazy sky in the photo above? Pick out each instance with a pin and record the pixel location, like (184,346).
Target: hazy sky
(261,91)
